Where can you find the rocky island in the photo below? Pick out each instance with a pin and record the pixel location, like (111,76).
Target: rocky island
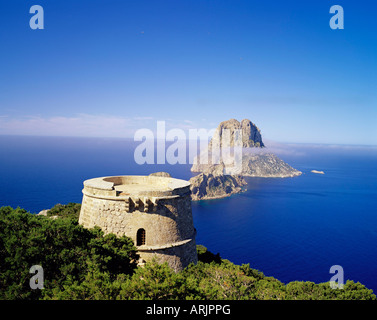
(209,186)
(217,180)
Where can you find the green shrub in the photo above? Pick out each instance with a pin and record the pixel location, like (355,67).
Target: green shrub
(81,263)
(63,248)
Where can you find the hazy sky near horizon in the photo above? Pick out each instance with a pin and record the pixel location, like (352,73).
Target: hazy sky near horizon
(107,68)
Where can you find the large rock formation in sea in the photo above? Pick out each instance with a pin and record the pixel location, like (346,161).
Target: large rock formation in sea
(221,173)
(256,162)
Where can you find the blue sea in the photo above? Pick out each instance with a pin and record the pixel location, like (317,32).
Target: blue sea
(291,228)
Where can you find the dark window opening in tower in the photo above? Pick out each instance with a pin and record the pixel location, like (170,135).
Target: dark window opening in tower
(140,237)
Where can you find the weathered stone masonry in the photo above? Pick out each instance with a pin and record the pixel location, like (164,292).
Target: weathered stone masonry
(154,211)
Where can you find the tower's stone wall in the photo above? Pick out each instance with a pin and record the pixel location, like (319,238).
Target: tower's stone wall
(159,205)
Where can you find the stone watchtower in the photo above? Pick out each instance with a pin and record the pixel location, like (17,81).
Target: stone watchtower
(154,211)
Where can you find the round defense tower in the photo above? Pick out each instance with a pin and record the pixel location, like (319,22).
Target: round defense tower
(155,212)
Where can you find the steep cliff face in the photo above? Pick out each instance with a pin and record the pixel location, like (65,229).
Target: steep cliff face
(251,136)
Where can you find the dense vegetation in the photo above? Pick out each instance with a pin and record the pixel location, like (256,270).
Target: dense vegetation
(85,264)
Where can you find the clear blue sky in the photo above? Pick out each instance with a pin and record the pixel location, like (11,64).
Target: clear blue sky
(107,68)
